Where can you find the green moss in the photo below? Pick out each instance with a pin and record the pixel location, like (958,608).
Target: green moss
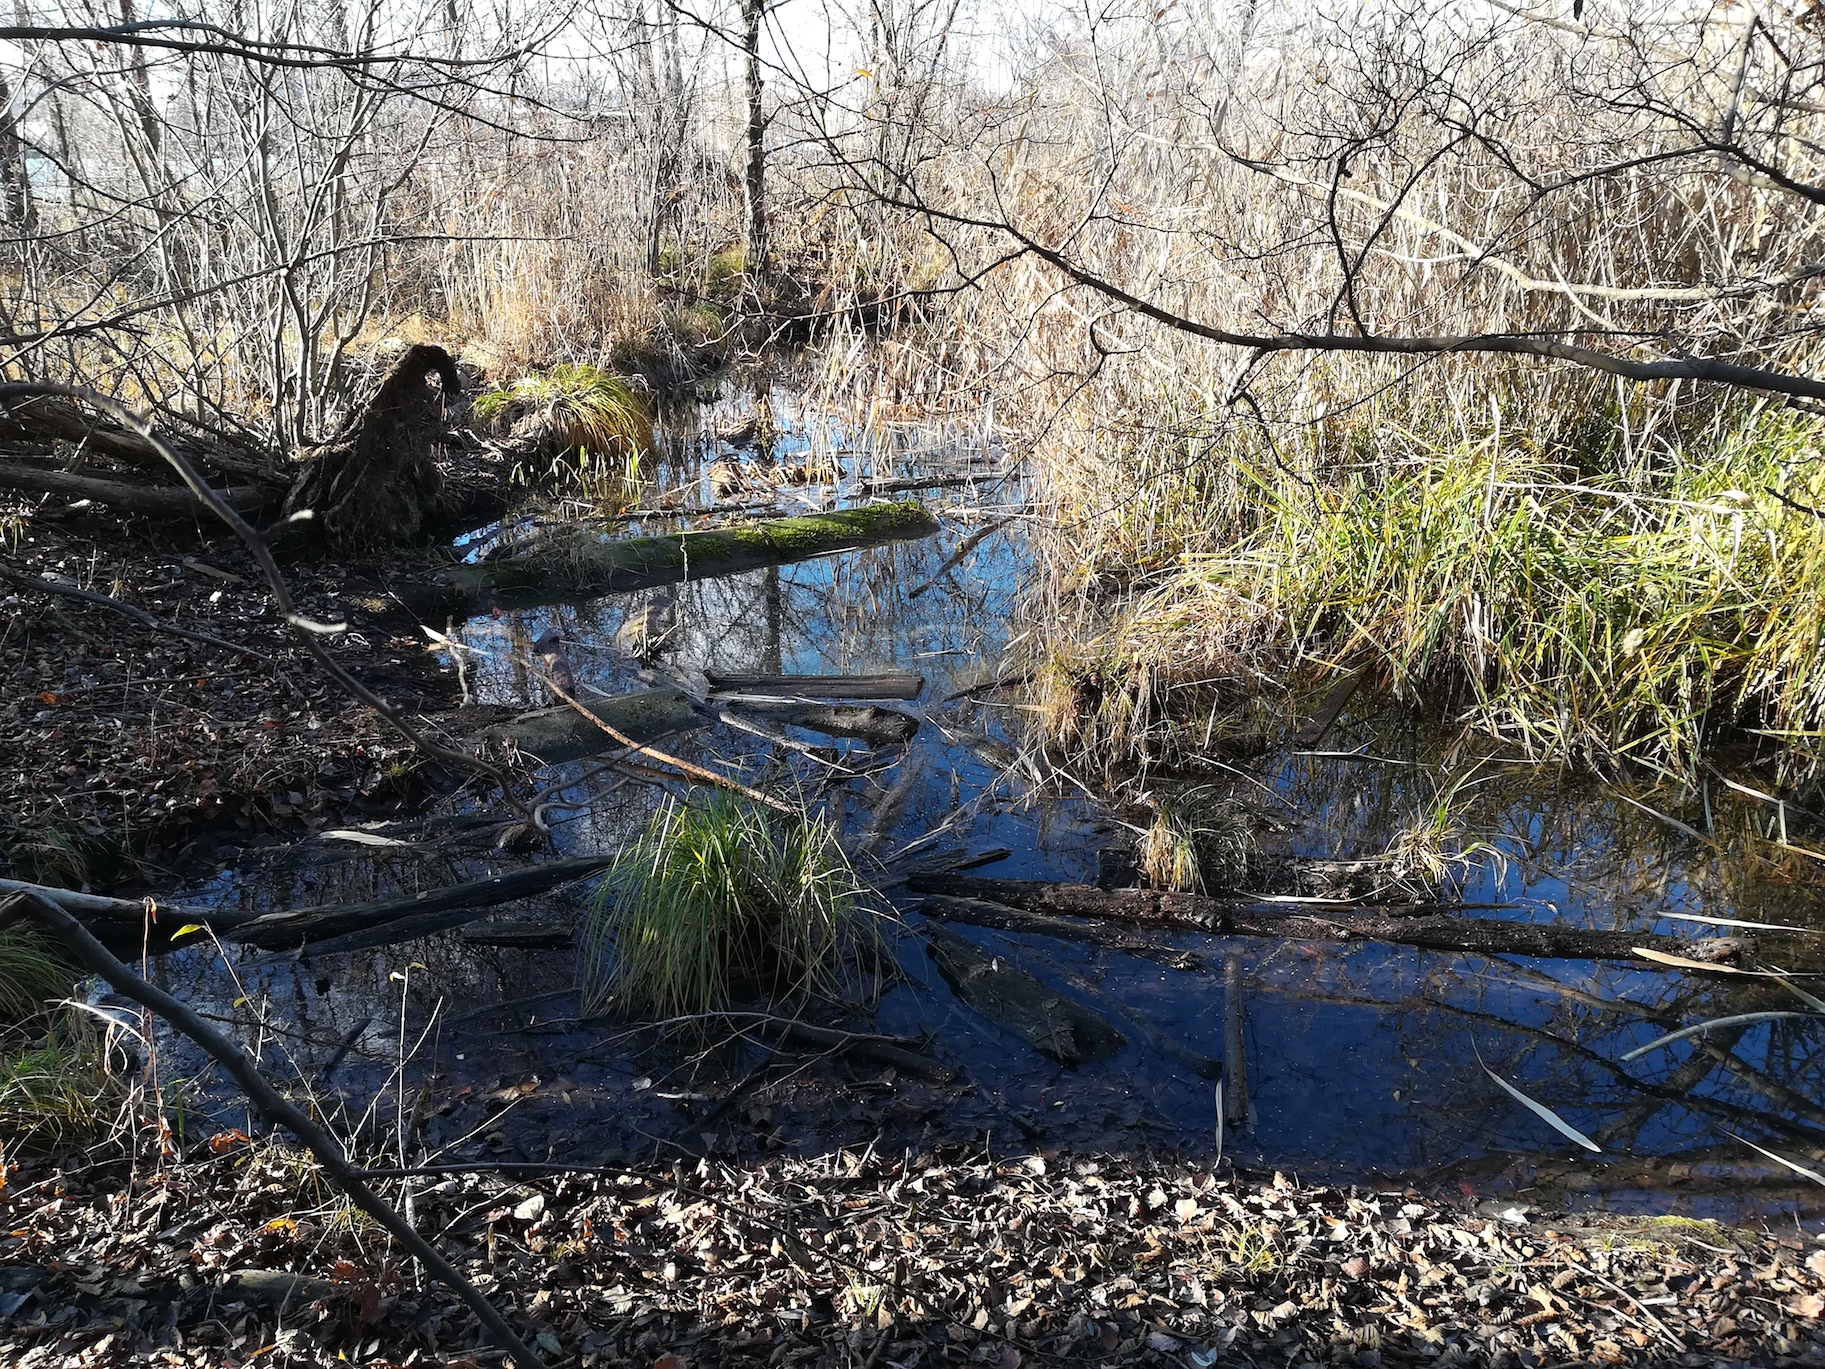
(582,567)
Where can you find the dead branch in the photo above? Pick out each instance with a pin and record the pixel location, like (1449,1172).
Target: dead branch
(696,772)
(267,1101)
(116,494)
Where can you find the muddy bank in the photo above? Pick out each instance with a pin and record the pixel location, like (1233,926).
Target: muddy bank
(855,1258)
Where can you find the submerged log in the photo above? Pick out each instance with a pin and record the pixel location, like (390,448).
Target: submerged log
(981,913)
(1439,931)
(1055,1026)
(582,566)
(406,916)
(892,685)
(558,735)
(860,722)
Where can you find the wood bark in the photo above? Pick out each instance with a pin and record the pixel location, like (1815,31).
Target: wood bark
(1440,931)
(754,182)
(147,499)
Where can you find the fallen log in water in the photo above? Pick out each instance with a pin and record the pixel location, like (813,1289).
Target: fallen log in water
(891,685)
(1439,931)
(860,722)
(397,919)
(981,913)
(1052,1024)
(557,735)
(581,565)
(122,922)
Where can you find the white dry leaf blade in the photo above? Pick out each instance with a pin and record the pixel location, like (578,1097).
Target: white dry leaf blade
(1544,1113)
(361,838)
(1738,922)
(1740,1019)
(1797,1168)
(1680,962)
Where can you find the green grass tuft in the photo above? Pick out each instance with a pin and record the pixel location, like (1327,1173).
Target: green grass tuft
(32,973)
(1605,606)
(582,409)
(57,1092)
(723,899)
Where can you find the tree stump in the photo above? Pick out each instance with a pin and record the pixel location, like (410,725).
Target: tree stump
(379,482)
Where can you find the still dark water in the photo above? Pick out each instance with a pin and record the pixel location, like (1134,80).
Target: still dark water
(1362,1060)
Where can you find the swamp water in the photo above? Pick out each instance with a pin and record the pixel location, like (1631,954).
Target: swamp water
(1362,1060)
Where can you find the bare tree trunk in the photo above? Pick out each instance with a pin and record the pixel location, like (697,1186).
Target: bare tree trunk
(15,200)
(755,185)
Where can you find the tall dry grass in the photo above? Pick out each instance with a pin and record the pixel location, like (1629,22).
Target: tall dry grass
(1592,569)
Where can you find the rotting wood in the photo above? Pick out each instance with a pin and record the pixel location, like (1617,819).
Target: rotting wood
(1054,1025)
(53,420)
(922,482)
(582,566)
(269,1103)
(122,922)
(379,482)
(1142,1026)
(398,919)
(1243,917)
(888,685)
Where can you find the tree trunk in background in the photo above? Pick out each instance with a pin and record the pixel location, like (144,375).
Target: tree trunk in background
(15,202)
(752,13)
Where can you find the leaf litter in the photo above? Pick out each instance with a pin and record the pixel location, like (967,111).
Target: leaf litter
(947,1256)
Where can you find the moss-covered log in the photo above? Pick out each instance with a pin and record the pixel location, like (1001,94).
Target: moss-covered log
(581,566)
